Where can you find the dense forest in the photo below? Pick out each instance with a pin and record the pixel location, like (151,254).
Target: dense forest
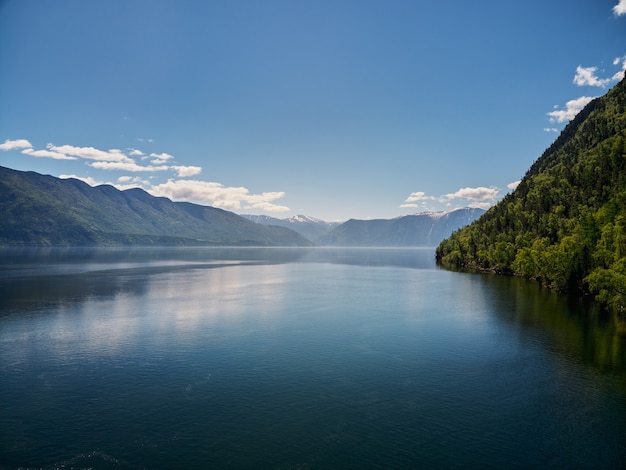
(565,224)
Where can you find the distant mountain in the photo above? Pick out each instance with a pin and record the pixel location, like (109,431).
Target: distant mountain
(309,227)
(424,229)
(45,211)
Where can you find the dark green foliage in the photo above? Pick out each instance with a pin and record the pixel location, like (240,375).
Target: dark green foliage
(43,210)
(565,224)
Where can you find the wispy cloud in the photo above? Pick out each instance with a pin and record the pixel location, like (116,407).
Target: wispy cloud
(480,196)
(218,195)
(419,196)
(550,129)
(160,158)
(572,108)
(620,8)
(512,186)
(15,145)
(48,154)
(131,166)
(91,153)
(111,160)
(621,61)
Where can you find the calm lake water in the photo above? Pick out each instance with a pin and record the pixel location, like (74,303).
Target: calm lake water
(298,358)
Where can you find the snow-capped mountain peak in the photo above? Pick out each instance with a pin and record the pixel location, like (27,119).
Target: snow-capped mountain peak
(303,219)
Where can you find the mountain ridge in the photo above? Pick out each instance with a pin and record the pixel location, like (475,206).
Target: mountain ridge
(309,227)
(43,210)
(565,223)
(422,229)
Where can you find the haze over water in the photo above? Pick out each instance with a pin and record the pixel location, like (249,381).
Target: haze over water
(298,358)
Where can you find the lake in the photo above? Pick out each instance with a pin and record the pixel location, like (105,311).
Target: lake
(272,358)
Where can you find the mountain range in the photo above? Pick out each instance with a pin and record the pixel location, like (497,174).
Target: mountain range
(43,210)
(309,227)
(423,229)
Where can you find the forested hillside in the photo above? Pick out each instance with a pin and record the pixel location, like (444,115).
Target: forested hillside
(43,210)
(565,224)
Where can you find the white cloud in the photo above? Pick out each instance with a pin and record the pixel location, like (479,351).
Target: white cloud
(572,108)
(136,180)
(550,129)
(475,194)
(215,194)
(129,182)
(112,159)
(474,197)
(418,196)
(89,180)
(186,171)
(218,195)
(587,76)
(160,158)
(481,205)
(47,154)
(15,144)
(620,8)
(622,62)
(130,165)
(513,185)
(268,207)
(90,153)
(124,182)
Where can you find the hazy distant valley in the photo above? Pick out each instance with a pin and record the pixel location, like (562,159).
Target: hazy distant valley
(420,230)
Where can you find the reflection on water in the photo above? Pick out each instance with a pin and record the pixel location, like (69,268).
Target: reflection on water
(576,326)
(309,358)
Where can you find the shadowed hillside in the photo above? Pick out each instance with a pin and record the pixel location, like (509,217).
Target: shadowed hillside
(44,210)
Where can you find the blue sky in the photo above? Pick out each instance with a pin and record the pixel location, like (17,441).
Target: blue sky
(332,109)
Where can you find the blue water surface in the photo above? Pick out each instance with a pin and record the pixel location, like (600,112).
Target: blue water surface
(298,358)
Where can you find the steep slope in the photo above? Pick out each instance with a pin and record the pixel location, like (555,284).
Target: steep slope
(309,227)
(565,224)
(44,210)
(425,229)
